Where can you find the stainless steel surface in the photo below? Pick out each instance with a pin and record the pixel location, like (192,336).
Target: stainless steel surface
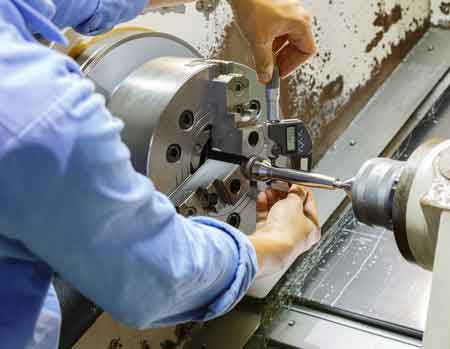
(147,102)
(385,115)
(262,170)
(110,60)
(308,329)
(363,273)
(374,189)
(273,96)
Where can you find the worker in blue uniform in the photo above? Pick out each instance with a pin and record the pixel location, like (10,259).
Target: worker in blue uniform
(71,202)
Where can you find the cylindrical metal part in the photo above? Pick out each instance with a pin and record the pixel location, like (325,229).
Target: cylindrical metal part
(273,96)
(307,179)
(261,170)
(373,191)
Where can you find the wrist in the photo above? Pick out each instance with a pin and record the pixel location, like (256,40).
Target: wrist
(272,254)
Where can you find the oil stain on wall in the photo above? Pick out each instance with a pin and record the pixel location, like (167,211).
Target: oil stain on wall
(440,13)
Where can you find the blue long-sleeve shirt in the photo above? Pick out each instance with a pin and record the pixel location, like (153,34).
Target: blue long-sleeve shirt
(71,202)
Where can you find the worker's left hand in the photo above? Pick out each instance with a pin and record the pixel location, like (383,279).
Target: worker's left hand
(271,207)
(281,27)
(287,227)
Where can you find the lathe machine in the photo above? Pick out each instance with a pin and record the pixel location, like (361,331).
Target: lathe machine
(200,130)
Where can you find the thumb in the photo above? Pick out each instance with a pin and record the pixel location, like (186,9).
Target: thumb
(299,191)
(263,55)
(296,202)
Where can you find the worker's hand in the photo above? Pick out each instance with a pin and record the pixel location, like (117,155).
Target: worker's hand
(282,27)
(287,227)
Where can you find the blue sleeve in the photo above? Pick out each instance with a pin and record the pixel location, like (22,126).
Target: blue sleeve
(69,193)
(93,17)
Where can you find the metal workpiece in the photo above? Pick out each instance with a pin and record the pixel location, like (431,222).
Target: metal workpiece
(262,170)
(373,191)
(273,96)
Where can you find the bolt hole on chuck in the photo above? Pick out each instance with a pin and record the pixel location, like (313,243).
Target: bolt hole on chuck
(186,120)
(253,138)
(238,87)
(234,220)
(235,186)
(189,211)
(173,153)
(255,105)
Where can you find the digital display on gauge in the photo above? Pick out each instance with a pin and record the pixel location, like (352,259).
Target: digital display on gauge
(291,139)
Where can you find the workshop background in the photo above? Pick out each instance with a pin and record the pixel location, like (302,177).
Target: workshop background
(359,44)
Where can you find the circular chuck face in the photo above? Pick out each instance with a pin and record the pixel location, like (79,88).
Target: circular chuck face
(173,105)
(373,191)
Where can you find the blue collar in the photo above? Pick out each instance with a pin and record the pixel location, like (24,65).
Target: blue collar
(38,15)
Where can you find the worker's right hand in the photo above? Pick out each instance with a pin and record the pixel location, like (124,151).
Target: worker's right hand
(287,227)
(282,27)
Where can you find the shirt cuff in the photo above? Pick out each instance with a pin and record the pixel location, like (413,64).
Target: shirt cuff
(110,13)
(247,267)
